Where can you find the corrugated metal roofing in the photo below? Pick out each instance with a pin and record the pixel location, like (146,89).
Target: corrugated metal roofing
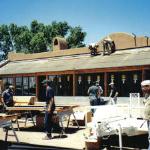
(131,57)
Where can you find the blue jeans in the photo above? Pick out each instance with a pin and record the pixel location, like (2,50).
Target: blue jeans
(93,102)
(48,122)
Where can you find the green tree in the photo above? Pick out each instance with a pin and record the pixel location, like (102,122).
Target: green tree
(37,27)
(38,43)
(5,41)
(23,42)
(59,29)
(34,26)
(76,37)
(16,35)
(38,37)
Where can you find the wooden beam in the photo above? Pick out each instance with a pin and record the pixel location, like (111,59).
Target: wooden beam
(105,84)
(14,82)
(74,84)
(46,77)
(143,74)
(37,87)
(113,69)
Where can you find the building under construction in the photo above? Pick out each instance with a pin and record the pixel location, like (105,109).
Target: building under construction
(72,71)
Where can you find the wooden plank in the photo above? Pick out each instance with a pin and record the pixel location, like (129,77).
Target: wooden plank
(40,108)
(26,108)
(4,117)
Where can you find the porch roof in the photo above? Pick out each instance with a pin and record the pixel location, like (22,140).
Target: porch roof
(122,58)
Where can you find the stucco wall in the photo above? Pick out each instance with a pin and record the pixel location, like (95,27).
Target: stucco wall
(141,41)
(122,41)
(125,41)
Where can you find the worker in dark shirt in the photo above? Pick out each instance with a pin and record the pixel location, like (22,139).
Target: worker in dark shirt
(93,95)
(113,93)
(7,96)
(50,107)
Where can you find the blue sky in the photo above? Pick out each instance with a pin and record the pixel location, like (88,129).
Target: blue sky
(97,17)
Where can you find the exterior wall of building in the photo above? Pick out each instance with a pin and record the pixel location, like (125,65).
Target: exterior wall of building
(148,41)
(122,41)
(125,81)
(59,44)
(21,56)
(77,82)
(141,42)
(125,41)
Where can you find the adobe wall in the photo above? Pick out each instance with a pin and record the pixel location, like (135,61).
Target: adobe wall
(59,44)
(21,56)
(125,41)
(122,41)
(149,42)
(141,42)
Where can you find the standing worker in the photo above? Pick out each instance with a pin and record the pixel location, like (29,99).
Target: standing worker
(50,107)
(113,93)
(7,96)
(145,85)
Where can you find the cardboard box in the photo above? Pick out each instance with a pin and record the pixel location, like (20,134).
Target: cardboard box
(92,144)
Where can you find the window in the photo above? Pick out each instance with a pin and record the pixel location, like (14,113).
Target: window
(8,80)
(25,86)
(4,81)
(18,91)
(32,86)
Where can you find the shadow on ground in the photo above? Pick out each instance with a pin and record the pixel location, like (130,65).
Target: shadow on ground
(26,146)
(57,129)
(140,142)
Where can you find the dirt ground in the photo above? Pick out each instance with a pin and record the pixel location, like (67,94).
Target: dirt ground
(72,138)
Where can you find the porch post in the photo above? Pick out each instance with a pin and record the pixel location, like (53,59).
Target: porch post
(74,84)
(14,83)
(143,74)
(37,87)
(105,84)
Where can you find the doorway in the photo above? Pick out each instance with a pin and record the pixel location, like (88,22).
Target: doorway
(41,89)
